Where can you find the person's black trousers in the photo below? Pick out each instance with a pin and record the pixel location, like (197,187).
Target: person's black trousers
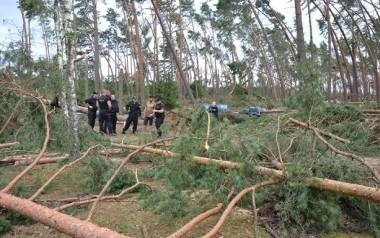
(91,118)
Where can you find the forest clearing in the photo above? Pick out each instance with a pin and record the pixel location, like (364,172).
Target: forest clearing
(207,119)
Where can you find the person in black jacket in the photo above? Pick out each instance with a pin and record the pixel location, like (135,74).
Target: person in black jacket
(104,112)
(114,111)
(54,104)
(159,114)
(134,110)
(91,109)
(213,108)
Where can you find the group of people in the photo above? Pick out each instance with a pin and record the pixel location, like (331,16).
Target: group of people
(109,107)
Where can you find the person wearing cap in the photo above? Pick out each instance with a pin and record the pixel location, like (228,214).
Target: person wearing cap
(159,114)
(91,109)
(148,112)
(134,111)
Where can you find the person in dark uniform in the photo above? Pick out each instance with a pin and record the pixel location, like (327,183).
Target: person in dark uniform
(91,109)
(133,107)
(213,108)
(114,111)
(159,114)
(54,104)
(104,112)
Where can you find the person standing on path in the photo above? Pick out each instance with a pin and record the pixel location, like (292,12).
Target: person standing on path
(91,109)
(148,112)
(133,107)
(104,112)
(159,113)
(114,111)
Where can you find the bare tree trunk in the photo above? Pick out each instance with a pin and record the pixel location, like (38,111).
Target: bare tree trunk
(85,77)
(329,61)
(170,44)
(140,59)
(97,80)
(301,50)
(67,15)
(64,223)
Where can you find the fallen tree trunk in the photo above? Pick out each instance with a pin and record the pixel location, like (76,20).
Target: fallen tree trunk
(195,221)
(349,189)
(64,223)
(10,144)
(371,111)
(43,160)
(328,134)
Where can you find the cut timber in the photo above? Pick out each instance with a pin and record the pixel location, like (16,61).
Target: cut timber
(349,189)
(64,223)
(43,160)
(328,134)
(10,144)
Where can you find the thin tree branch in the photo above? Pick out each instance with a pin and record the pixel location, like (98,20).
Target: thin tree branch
(11,116)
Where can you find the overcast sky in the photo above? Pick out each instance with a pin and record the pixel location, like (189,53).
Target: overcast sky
(10,22)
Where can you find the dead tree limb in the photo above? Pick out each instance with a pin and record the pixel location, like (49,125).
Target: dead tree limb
(64,223)
(361,160)
(44,145)
(11,116)
(111,197)
(195,221)
(231,205)
(39,191)
(349,189)
(9,144)
(43,160)
(117,171)
(328,134)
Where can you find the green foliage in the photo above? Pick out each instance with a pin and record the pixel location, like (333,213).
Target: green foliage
(97,174)
(198,89)
(169,204)
(5,226)
(166,90)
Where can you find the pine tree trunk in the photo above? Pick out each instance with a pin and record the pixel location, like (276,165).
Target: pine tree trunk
(61,222)
(301,50)
(97,80)
(67,16)
(140,58)
(174,55)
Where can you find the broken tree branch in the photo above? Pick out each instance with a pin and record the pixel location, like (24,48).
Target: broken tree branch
(39,191)
(9,144)
(328,134)
(349,189)
(11,116)
(195,221)
(208,131)
(64,223)
(111,197)
(44,145)
(117,171)
(231,205)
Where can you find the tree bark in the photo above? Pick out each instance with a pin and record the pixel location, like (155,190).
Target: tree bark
(171,46)
(64,223)
(301,50)
(97,80)
(348,189)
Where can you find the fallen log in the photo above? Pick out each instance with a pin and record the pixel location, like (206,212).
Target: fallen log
(64,223)
(43,160)
(371,111)
(323,184)
(195,221)
(328,134)
(9,144)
